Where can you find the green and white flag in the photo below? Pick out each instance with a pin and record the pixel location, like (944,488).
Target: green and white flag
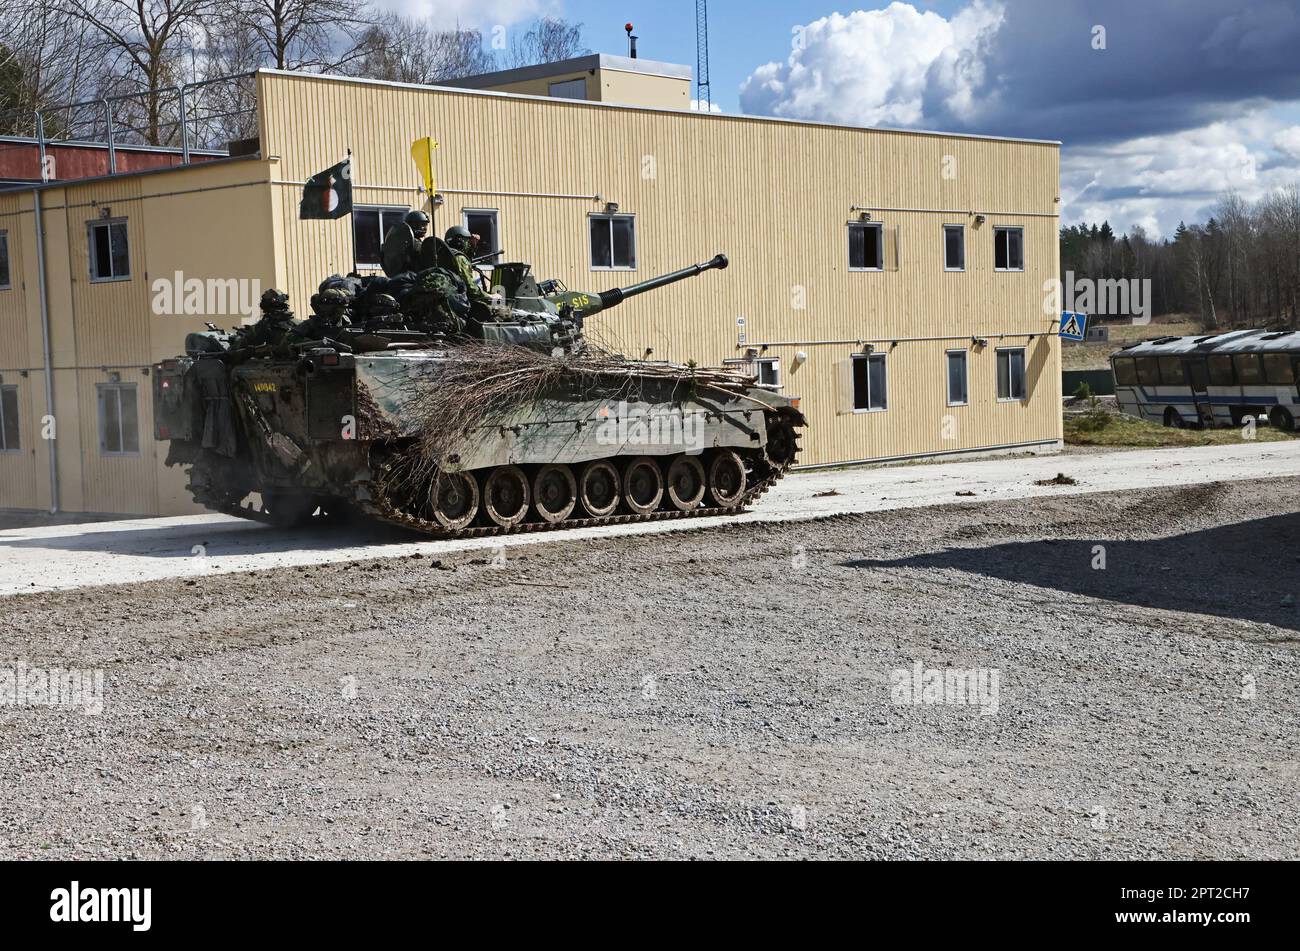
(328,194)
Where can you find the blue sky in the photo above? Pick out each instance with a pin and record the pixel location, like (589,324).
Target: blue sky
(1161,105)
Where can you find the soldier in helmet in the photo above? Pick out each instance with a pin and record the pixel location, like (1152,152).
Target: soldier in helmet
(330,314)
(401,248)
(274,327)
(462,244)
(418,222)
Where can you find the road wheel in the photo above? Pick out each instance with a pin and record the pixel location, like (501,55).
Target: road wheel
(1280,418)
(727,480)
(1173,418)
(686,482)
(598,489)
(505,496)
(288,509)
(555,493)
(643,485)
(454,500)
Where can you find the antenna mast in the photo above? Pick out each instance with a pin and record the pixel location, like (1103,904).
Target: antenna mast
(702,94)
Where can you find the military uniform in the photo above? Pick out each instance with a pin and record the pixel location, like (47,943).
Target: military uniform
(459,240)
(273,329)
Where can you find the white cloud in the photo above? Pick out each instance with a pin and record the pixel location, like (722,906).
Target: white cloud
(1157,181)
(1288,141)
(471,14)
(713,106)
(896,66)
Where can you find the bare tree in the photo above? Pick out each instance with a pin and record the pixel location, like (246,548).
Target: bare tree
(402,49)
(47,61)
(146,41)
(315,35)
(549,41)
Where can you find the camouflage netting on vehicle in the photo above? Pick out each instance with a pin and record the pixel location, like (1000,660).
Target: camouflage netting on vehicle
(485,384)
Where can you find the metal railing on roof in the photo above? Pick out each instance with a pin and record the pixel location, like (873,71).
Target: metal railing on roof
(202,116)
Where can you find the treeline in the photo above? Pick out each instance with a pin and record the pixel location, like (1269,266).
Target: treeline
(1240,268)
(54,53)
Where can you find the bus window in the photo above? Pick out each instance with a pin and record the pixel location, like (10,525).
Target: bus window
(1148,371)
(1221,371)
(1198,373)
(1278,369)
(1126,373)
(1171,370)
(1249,371)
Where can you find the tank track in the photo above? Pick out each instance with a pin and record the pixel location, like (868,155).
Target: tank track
(383,509)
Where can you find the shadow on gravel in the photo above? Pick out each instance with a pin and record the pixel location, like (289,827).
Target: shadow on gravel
(1249,571)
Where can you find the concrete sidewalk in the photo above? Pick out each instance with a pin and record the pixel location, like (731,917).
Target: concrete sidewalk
(76,556)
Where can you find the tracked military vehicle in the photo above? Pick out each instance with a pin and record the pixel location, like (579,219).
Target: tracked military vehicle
(465,421)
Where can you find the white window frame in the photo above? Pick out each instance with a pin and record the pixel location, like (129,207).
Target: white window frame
(495,215)
(401,210)
(880,245)
(7,278)
(965,376)
(775,364)
(884,408)
(998,230)
(93,256)
(5,448)
(1024,375)
(102,391)
(591,249)
(960,229)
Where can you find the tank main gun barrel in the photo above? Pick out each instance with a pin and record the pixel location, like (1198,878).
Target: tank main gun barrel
(617,295)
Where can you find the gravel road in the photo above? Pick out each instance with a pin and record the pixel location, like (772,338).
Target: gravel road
(735,691)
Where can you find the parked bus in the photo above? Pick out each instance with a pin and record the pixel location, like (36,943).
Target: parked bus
(1213,380)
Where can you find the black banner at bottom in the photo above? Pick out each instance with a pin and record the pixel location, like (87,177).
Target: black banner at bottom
(1214,900)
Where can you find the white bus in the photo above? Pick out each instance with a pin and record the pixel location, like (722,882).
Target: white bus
(1212,380)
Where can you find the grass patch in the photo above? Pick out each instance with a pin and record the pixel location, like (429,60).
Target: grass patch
(1106,429)
(1096,356)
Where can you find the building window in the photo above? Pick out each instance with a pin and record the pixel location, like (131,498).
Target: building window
(119,424)
(769,372)
(485,223)
(866,247)
(869,391)
(613,242)
(110,256)
(954,248)
(957,395)
(369,226)
(9,419)
(568,89)
(4,261)
(1011,374)
(1008,249)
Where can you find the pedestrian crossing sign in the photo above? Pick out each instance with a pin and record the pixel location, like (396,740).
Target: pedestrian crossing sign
(1073,326)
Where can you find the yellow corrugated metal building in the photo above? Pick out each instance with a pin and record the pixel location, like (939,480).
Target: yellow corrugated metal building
(894,280)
